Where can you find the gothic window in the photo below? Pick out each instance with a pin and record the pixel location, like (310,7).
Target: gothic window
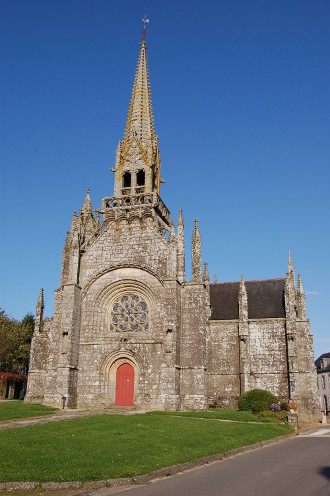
(129,313)
(140,178)
(127,180)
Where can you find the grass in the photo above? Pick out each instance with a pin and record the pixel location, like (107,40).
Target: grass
(222,414)
(17,409)
(110,446)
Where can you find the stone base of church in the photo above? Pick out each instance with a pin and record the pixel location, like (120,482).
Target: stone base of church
(194,402)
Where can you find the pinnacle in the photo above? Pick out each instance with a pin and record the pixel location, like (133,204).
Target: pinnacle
(41,297)
(87,206)
(290,263)
(206,276)
(180,219)
(300,285)
(196,234)
(242,285)
(74,221)
(290,272)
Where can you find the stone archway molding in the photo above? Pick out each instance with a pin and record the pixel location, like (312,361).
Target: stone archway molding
(127,282)
(109,372)
(113,270)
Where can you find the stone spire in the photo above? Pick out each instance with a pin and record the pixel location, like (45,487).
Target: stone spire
(137,158)
(39,312)
(140,121)
(196,254)
(206,275)
(301,300)
(181,271)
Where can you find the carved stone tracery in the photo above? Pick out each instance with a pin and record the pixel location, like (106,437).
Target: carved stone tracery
(129,313)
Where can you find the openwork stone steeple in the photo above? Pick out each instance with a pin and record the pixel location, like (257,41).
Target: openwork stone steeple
(137,158)
(137,170)
(140,125)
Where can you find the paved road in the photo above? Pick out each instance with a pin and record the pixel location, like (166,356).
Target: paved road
(298,467)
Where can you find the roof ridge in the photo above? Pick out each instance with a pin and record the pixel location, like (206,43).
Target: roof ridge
(249,280)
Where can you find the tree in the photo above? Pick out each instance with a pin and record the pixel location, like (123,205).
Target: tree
(15,339)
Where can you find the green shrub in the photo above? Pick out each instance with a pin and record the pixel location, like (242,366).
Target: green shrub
(268,414)
(283,414)
(284,406)
(256,400)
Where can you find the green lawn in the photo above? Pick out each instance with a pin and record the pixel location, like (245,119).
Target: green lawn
(16,409)
(222,414)
(110,446)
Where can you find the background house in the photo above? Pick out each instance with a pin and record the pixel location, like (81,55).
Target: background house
(323,381)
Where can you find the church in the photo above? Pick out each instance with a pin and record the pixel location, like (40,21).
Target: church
(129,330)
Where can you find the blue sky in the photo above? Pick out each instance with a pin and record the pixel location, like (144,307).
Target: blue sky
(241,103)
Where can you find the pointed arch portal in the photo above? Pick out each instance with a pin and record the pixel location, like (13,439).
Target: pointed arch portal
(125,385)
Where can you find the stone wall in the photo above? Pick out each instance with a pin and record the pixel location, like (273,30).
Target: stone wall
(151,352)
(193,347)
(223,386)
(268,358)
(135,243)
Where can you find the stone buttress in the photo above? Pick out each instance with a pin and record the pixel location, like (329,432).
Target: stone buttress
(302,382)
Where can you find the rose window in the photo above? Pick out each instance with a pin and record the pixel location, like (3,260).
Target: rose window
(130,313)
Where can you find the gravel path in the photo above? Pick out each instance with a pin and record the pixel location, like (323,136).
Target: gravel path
(62,415)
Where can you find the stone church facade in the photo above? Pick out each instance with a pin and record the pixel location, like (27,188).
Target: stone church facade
(129,330)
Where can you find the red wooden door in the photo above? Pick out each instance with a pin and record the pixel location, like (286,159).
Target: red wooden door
(125,385)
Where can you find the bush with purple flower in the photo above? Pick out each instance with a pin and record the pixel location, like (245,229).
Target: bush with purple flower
(275,407)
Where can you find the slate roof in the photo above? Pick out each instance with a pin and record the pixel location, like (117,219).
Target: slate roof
(318,363)
(265,299)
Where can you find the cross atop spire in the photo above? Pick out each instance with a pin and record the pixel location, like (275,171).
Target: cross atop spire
(144,20)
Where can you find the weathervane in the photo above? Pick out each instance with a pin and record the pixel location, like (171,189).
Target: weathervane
(145,20)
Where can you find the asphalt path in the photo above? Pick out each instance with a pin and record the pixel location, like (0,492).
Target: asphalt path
(297,467)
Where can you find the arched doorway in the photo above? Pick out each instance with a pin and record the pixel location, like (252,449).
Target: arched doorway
(125,385)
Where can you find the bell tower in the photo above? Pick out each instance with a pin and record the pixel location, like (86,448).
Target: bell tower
(137,171)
